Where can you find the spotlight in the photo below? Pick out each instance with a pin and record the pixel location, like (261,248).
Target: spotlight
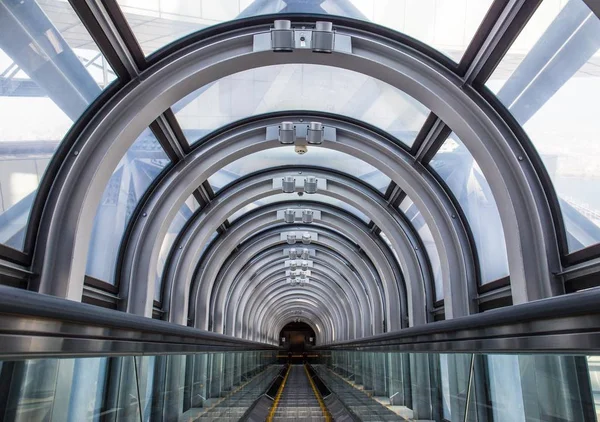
(307,216)
(310,184)
(289,184)
(287,133)
(291,238)
(289,215)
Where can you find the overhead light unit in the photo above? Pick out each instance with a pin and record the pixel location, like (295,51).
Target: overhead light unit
(291,238)
(310,184)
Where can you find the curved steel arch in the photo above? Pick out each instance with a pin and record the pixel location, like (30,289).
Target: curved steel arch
(341,222)
(318,275)
(524,211)
(224,322)
(286,301)
(247,190)
(140,250)
(257,301)
(317,307)
(287,315)
(267,239)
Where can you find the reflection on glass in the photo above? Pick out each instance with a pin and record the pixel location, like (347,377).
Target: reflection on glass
(460,386)
(550,82)
(456,166)
(50,71)
(300,87)
(216,386)
(141,164)
(506,393)
(448,25)
(285,156)
(182,216)
(280,197)
(416,219)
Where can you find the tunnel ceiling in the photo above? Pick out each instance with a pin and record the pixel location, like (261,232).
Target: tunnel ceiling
(361,167)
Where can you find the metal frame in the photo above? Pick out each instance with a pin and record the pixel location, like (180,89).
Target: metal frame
(188,173)
(261,220)
(530,243)
(338,273)
(528,204)
(413,260)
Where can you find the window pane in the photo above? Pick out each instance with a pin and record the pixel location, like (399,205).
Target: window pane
(50,71)
(448,25)
(456,166)
(141,164)
(389,244)
(281,197)
(285,156)
(416,219)
(550,81)
(300,87)
(182,217)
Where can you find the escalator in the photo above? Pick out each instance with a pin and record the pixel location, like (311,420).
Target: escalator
(298,399)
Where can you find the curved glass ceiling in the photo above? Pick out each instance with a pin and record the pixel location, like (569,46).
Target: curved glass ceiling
(285,156)
(142,163)
(50,71)
(300,87)
(457,167)
(550,82)
(447,25)
(183,215)
(411,211)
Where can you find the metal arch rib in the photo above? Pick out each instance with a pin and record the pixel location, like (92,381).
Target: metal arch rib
(365,285)
(254,307)
(280,307)
(67,222)
(259,310)
(414,264)
(223,318)
(237,307)
(142,250)
(262,219)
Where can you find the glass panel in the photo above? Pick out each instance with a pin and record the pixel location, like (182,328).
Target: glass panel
(285,156)
(459,386)
(414,216)
(141,164)
(216,386)
(300,87)
(184,214)
(281,197)
(448,25)
(550,82)
(456,166)
(50,71)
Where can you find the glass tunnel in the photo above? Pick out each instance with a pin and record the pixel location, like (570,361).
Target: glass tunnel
(314,210)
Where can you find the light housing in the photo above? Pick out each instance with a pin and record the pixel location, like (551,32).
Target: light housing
(288,184)
(306,238)
(287,133)
(289,216)
(291,238)
(310,184)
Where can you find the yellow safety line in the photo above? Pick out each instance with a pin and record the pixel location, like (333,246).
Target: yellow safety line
(324,409)
(278,396)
